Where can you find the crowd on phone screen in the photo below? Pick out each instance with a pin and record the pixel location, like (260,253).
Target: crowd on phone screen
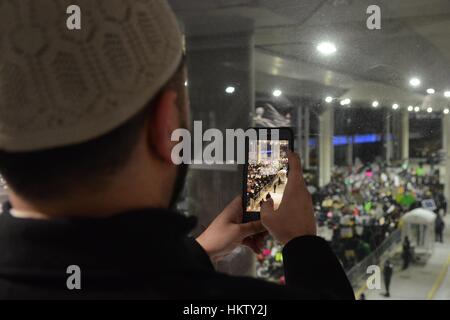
(262,179)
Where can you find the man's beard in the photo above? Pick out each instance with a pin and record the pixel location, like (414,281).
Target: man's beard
(179,185)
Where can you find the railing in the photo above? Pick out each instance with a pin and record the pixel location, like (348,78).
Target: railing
(358,272)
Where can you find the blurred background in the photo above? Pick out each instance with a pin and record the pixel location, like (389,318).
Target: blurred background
(370,113)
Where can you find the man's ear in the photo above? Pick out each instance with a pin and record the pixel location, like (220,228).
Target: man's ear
(165,119)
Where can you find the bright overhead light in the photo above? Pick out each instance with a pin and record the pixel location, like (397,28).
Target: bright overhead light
(395,106)
(429,109)
(326,48)
(431,91)
(346,102)
(375,104)
(185,83)
(230,90)
(410,108)
(329,99)
(447,94)
(415,82)
(416,109)
(446,111)
(277,92)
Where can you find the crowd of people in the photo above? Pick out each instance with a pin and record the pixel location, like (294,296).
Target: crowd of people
(265,179)
(362,206)
(258,183)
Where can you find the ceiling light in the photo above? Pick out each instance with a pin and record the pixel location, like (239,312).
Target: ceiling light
(429,109)
(410,108)
(346,102)
(431,91)
(230,90)
(329,99)
(416,109)
(326,48)
(446,111)
(185,83)
(415,82)
(395,106)
(375,104)
(447,94)
(277,93)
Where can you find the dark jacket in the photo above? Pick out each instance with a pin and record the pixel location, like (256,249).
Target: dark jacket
(146,255)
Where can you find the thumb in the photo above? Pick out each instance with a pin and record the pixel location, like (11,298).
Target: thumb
(251,228)
(267,208)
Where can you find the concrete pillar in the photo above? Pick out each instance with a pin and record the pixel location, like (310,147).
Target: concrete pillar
(388,138)
(332,154)
(349,154)
(326,148)
(446,131)
(217,59)
(307,128)
(397,134)
(300,130)
(405,135)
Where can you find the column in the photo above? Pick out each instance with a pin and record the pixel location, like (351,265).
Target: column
(396,130)
(349,154)
(405,135)
(218,59)
(446,131)
(307,127)
(326,148)
(388,138)
(300,129)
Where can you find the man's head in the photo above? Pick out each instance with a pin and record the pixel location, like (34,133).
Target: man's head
(86,113)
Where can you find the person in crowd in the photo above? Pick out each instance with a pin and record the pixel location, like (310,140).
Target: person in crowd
(81,151)
(439,228)
(406,253)
(388,270)
(441,201)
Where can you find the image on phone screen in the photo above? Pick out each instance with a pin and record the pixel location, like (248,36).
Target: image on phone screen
(267,170)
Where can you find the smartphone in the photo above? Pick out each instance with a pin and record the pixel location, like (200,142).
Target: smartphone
(265,169)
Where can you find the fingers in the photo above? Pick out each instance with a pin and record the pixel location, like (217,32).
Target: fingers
(295,165)
(234,211)
(267,209)
(256,243)
(251,228)
(251,243)
(268,205)
(235,204)
(295,174)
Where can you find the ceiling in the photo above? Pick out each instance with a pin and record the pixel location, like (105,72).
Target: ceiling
(414,40)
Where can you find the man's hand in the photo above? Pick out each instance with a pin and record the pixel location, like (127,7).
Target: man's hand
(227,232)
(295,215)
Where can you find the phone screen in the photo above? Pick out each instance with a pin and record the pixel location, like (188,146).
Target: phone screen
(267,170)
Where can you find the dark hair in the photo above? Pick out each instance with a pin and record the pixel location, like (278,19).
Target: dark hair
(52,174)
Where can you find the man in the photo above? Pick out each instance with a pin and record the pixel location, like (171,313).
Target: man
(406,253)
(387,275)
(86,119)
(439,228)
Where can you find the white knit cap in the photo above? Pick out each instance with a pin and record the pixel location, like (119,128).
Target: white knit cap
(60,87)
